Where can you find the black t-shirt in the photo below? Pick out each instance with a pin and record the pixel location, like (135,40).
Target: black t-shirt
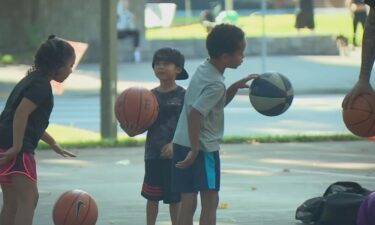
(37,89)
(370,3)
(162,130)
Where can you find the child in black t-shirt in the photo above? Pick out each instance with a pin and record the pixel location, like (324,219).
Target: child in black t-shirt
(168,65)
(23,123)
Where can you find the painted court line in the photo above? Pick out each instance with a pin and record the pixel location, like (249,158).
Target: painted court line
(226,166)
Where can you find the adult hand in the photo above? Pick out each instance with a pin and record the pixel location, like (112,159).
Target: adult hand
(361,87)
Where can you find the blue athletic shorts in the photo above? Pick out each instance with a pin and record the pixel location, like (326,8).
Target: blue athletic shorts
(203,175)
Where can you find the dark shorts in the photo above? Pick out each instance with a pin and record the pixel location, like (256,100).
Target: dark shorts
(203,175)
(157,181)
(24,164)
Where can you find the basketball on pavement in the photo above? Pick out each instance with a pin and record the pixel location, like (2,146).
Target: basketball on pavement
(75,207)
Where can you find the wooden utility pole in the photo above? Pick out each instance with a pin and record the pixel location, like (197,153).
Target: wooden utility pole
(108,69)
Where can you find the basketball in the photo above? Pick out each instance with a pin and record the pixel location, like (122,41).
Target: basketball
(75,207)
(360,117)
(137,106)
(271,94)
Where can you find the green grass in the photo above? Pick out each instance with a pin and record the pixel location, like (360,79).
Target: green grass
(275,25)
(291,138)
(71,137)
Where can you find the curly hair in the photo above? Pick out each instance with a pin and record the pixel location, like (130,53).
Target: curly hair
(51,55)
(224,38)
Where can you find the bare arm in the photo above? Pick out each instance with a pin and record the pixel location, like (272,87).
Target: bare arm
(368,47)
(367,61)
(21,115)
(194,123)
(46,137)
(232,90)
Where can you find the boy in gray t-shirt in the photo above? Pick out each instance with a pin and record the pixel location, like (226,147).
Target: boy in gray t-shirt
(196,161)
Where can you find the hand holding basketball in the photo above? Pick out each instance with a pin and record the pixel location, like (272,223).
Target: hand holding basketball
(243,82)
(75,207)
(359,116)
(136,109)
(361,87)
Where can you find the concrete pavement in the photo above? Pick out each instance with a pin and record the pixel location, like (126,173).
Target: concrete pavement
(262,184)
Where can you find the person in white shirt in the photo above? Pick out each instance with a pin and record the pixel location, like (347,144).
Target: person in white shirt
(126,27)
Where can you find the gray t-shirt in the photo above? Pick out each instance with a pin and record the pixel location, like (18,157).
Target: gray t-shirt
(206,93)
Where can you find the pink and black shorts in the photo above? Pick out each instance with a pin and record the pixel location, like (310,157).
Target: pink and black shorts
(24,164)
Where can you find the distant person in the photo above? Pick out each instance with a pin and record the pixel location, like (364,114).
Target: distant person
(168,65)
(305,15)
(208,16)
(23,123)
(363,85)
(196,143)
(207,19)
(126,27)
(358,11)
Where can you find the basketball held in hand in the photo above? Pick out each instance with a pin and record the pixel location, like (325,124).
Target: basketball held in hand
(138,107)
(271,94)
(75,207)
(359,117)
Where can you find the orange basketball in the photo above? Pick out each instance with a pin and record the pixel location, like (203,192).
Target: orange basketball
(360,117)
(75,207)
(137,106)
